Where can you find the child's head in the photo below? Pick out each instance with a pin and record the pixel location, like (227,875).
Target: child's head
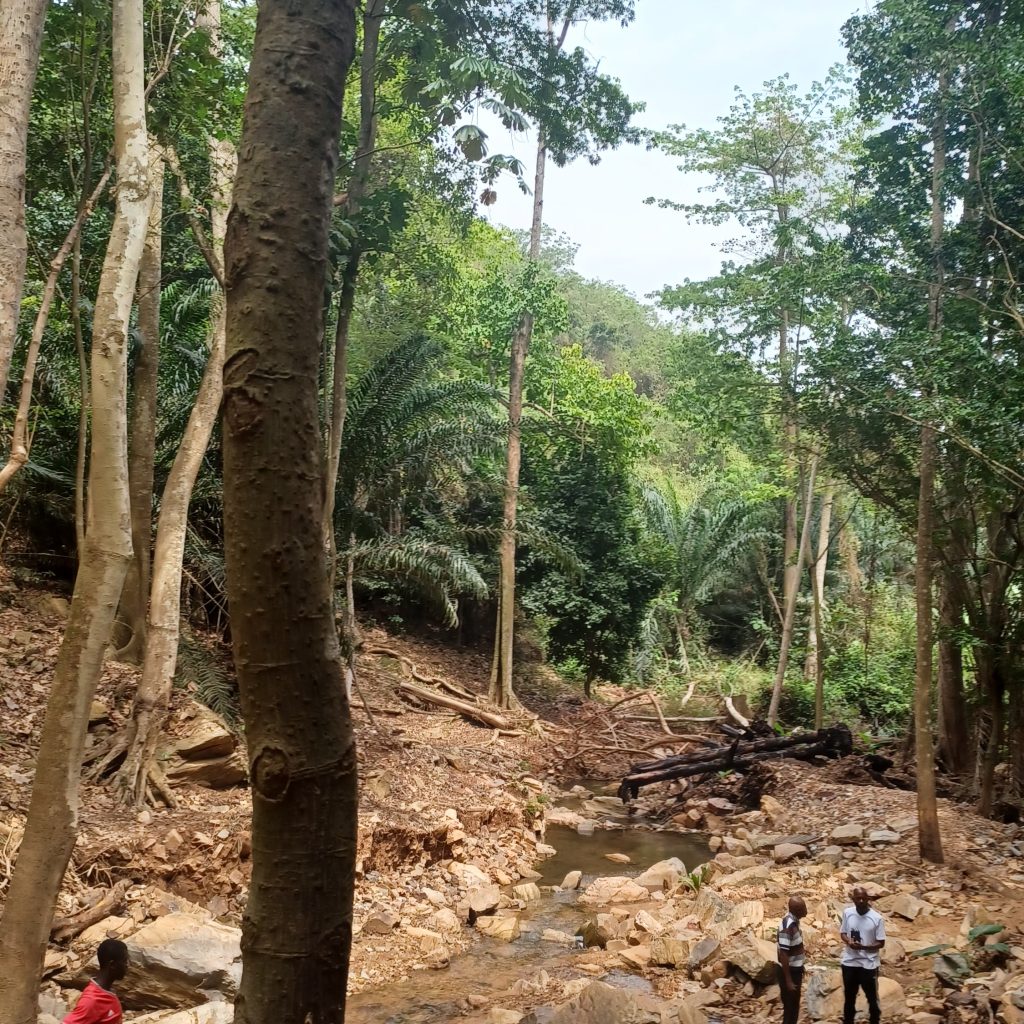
(113,958)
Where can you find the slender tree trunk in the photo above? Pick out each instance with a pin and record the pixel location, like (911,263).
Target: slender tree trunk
(84,397)
(849,550)
(53,813)
(130,633)
(818,570)
(21,440)
(502,692)
(990,731)
(929,837)
(681,636)
(149,708)
(790,615)
(953,725)
(297,930)
(357,186)
(21,37)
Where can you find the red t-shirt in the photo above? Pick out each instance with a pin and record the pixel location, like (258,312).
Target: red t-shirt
(96,1006)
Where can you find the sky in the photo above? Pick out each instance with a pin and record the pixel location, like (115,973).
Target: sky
(683,58)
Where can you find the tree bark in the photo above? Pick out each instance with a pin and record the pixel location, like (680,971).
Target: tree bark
(152,697)
(21,439)
(297,929)
(130,631)
(53,812)
(502,692)
(953,727)
(818,569)
(790,606)
(21,38)
(929,837)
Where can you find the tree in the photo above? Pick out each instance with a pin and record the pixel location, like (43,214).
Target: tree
(50,830)
(297,928)
(580,112)
(21,37)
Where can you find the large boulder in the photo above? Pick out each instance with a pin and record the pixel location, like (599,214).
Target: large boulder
(823,996)
(748,914)
(614,889)
(504,928)
(599,1003)
(711,906)
(206,735)
(599,930)
(703,952)
(484,899)
(663,875)
(178,961)
(669,952)
(205,753)
(206,1013)
(755,957)
(211,773)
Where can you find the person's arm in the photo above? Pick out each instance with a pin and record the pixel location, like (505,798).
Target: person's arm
(845,935)
(879,942)
(787,978)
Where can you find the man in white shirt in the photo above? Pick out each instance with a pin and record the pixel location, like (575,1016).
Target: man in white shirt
(863,935)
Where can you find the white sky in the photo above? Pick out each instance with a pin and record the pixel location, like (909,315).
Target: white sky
(683,58)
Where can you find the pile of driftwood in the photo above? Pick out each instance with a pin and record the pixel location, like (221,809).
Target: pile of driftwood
(747,747)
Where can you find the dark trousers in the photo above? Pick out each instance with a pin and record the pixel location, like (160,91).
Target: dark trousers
(855,978)
(791,1000)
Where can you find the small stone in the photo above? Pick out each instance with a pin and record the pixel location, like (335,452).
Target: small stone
(847,835)
(381,922)
(527,892)
(882,837)
(572,880)
(907,906)
(617,858)
(504,928)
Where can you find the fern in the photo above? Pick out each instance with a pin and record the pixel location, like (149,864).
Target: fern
(199,666)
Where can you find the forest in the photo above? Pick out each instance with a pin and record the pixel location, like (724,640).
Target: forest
(278,395)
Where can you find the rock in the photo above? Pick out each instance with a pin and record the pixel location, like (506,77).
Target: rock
(614,889)
(669,952)
(847,835)
(951,968)
(527,892)
(468,875)
(758,875)
(687,1014)
(586,827)
(906,906)
(663,875)
(636,956)
(572,880)
(599,1003)
(98,712)
(617,858)
(544,851)
(721,805)
(438,958)
(599,930)
(499,1015)
(553,935)
(428,940)
(445,920)
(755,957)
(711,906)
(537,984)
(748,914)
(703,952)
(831,855)
(883,837)
(177,961)
(648,923)
(381,922)
(823,996)
(484,899)
(788,851)
(207,1013)
(207,736)
(213,773)
(108,928)
(504,928)
(46,1018)
(771,808)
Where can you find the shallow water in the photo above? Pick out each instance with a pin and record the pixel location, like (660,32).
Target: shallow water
(489,967)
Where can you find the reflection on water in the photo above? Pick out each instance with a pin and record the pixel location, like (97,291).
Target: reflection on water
(489,967)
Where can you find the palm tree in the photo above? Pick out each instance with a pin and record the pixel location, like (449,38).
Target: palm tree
(708,537)
(411,438)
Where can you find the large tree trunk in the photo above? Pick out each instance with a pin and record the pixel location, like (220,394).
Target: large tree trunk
(297,930)
(149,708)
(53,813)
(501,689)
(929,837)
(21,438)
(953,726)
(130,632)
(790,607)
(21,37)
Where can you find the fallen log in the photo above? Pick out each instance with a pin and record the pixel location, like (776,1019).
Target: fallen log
(66,928)
(833,742)
(467,710)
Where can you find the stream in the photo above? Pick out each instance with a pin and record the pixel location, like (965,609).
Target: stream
(490,967)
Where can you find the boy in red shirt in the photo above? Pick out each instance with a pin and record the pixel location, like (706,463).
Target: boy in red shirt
(98,1004)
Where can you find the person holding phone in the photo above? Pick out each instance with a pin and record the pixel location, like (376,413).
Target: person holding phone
(863,934)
